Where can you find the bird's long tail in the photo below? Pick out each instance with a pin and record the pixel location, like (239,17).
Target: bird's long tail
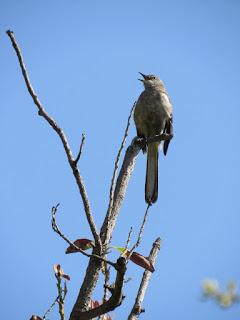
(151,183)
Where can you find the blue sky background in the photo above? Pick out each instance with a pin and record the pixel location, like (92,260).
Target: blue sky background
(83,58)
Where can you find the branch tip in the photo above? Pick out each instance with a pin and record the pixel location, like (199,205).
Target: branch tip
(80,149)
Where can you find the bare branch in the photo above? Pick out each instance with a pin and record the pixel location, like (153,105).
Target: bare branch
(120,190)
(80,149)
(94,267)
(137,308)
(140,231)
(58,231)
(106,281)
(129,238)
(113,182)
(114,301)
(61,298)
(42,112)
(50,309)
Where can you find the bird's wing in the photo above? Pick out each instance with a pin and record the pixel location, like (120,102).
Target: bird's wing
(169,130)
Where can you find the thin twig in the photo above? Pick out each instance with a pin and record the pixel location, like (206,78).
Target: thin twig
(120,189)
(42,112)
(113,181)
(137,308)
(50,308)
(80,149)
(140,231)
(129,238)
(61,298)
(106,280)
(65,290)
(58,231)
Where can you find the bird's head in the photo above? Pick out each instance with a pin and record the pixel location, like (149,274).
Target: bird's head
(151,81)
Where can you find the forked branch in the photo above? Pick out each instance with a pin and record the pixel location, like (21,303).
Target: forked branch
(72,162)
(114,301)
(73,245)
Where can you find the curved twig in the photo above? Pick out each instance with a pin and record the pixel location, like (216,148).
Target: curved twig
(72,162)
(140,231)
(59,232)
(113,181)
(80,149)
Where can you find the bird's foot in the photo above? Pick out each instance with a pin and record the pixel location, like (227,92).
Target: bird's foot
(141,141)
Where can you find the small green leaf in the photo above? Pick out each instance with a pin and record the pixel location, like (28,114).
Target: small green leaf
(118,248)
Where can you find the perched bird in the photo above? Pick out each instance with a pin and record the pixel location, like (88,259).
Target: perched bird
(153,116)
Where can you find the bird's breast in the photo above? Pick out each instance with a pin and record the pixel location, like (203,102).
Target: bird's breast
(151,112)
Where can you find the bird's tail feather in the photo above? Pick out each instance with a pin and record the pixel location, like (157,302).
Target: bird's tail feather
(151,183)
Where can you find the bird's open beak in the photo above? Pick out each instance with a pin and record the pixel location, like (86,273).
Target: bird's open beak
(143,75)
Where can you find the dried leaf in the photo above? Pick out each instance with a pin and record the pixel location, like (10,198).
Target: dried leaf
(142,261)
(83,244)
(58,270)
(66,276)
(137,258)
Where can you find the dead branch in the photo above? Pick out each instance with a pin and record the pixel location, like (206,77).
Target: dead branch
(61,298)
(50,309)
(123,180)
(113,182)
(140,231)
(80,149)
(128,238)
(93,269)
(94,266)
(137,308)
(106,282)
(72,162)
(120,190)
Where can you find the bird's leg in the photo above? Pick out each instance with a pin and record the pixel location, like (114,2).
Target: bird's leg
(142,141)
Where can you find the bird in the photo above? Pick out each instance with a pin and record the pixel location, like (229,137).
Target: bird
(153,116)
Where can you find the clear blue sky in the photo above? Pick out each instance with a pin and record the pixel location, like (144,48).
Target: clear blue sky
(83,58)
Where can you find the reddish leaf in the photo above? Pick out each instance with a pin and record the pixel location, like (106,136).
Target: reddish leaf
(137,258)
(142,261)
(83,244)
(66,276)
(35,318)
(58,270)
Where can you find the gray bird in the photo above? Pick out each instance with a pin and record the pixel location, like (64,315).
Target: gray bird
(153,116)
